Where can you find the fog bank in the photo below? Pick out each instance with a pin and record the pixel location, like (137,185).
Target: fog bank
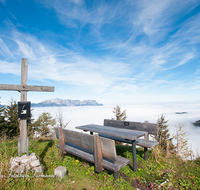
(135,112)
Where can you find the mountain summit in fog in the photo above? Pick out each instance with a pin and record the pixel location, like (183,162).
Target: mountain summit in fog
(65,102)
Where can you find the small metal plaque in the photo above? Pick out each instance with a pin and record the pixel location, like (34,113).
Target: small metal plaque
(24,110)
(126,123)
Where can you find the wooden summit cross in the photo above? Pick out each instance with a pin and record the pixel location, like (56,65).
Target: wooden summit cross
(23,88)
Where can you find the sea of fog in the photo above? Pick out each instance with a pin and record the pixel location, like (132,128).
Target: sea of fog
(136,112)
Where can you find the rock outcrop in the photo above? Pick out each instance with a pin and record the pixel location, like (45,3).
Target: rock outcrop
(21,165)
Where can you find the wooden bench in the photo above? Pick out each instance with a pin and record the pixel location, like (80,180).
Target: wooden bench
(95,149)
(151,128)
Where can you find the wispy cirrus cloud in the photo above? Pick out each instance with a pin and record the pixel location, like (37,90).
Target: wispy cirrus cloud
(25,49)
(186,58)
(157,19)
(197,71)
(9,68)
(47,63)
(2,1)
(144,23)
(4,50)
(71,12)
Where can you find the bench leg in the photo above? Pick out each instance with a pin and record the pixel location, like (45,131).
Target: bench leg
(134,155)
(98,154)
(61,141)
(145,153)
(115,175)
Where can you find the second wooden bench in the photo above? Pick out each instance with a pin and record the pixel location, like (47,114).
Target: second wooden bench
(151,128)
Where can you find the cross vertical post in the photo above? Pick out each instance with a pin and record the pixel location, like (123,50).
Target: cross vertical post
(23,122)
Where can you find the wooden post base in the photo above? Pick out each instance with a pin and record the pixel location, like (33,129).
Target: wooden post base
(19,145)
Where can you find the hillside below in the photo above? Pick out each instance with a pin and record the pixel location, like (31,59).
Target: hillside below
(158,172)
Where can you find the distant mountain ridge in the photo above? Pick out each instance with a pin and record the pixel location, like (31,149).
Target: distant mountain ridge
(65,102)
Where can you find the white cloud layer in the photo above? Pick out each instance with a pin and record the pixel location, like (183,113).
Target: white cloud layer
(77,116)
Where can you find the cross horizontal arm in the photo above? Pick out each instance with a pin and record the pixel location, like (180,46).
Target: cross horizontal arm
(26,87)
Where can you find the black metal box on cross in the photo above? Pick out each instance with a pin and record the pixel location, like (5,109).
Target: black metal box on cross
(24,110)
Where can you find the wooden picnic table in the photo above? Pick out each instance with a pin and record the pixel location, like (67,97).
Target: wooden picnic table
(132,135)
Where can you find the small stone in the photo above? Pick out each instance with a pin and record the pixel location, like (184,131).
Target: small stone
(35,163)
(11,160)
(17,159)
(60,171)
(33,154)
(38,169)
(13,165)
(19,169)
(24,160)
(20,159)
(28,167)
(33,157)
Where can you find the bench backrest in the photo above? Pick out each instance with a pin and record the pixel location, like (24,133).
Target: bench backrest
(151,128)
(86,141)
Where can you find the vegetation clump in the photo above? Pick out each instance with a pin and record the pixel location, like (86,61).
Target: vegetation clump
(118,114)
(182,148)
(9,123)
(197,123)
(163,136)
(43,125)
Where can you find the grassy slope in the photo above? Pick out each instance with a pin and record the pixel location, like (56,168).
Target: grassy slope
(81,175)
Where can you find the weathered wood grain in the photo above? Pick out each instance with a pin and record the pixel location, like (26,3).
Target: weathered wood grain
(89,156)
(108,148)
(151,128)
(26,87)
(131,135)
(98,154)
(23,122)
(139,142)
(86,141)
(116,132)
(96,151)
(61,141)
(82,140)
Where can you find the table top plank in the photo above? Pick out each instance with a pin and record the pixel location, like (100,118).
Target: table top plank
(116,132)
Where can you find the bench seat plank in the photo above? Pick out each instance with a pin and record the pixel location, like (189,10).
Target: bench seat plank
(89,156)
(139,142)
(146,143)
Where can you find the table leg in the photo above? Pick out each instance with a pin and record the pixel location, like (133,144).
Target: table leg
(145,153)
(134,155)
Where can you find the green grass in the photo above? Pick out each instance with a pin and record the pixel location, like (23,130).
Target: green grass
(81,174)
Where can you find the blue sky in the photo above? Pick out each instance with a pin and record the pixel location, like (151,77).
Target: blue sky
(123,51)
